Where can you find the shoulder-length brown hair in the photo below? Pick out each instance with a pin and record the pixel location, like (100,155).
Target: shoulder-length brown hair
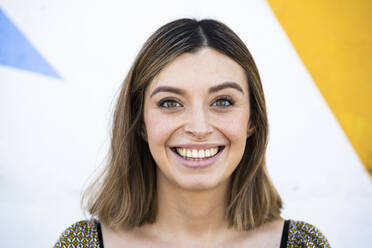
(126,193)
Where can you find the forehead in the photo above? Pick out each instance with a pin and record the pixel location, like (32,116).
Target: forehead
(199,71)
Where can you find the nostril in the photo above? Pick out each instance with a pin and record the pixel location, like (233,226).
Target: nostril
(198,126)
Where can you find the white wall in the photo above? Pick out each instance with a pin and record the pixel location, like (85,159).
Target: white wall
(54,132)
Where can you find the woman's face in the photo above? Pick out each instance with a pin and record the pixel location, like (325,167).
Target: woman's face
(196,115)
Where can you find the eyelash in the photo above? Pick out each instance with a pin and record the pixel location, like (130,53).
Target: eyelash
(230,101)
(167,100)
(224,98)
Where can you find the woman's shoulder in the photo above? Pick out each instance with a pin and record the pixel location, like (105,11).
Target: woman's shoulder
(303,234)
(81,234)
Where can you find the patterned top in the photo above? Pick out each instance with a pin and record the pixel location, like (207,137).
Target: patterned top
(296,234)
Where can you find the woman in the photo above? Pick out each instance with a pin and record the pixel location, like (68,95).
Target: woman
(187,157)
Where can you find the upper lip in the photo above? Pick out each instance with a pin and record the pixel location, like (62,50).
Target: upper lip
(197,146)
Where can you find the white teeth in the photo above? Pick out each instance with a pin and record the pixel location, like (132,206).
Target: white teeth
(207,153)
(194,153)
(188,153)
(215,150)
(201,154)
(181,151)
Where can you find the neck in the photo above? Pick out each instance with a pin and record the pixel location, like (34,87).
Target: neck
(193,214)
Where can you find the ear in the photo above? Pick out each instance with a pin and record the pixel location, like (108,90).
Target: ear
(143,132)
(250,131)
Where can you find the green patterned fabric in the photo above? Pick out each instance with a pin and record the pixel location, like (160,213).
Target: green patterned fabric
(302,234)
(82,234)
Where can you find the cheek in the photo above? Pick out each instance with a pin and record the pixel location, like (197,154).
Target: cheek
(234,127)
(158,129)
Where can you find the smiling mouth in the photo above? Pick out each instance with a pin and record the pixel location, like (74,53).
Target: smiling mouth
(197,154)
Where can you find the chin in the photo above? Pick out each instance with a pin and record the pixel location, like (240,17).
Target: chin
(199,183)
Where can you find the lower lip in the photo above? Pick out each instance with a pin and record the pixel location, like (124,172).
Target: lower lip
(197,163)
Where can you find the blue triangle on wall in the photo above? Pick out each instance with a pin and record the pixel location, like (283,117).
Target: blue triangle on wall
(16,51)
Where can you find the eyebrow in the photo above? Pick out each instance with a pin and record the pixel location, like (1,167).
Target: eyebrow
(226,85)
(213,89)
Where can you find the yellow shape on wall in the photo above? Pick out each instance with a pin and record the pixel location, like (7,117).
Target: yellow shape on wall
(334,40)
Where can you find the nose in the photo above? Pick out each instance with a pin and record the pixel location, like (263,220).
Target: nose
(197,124)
